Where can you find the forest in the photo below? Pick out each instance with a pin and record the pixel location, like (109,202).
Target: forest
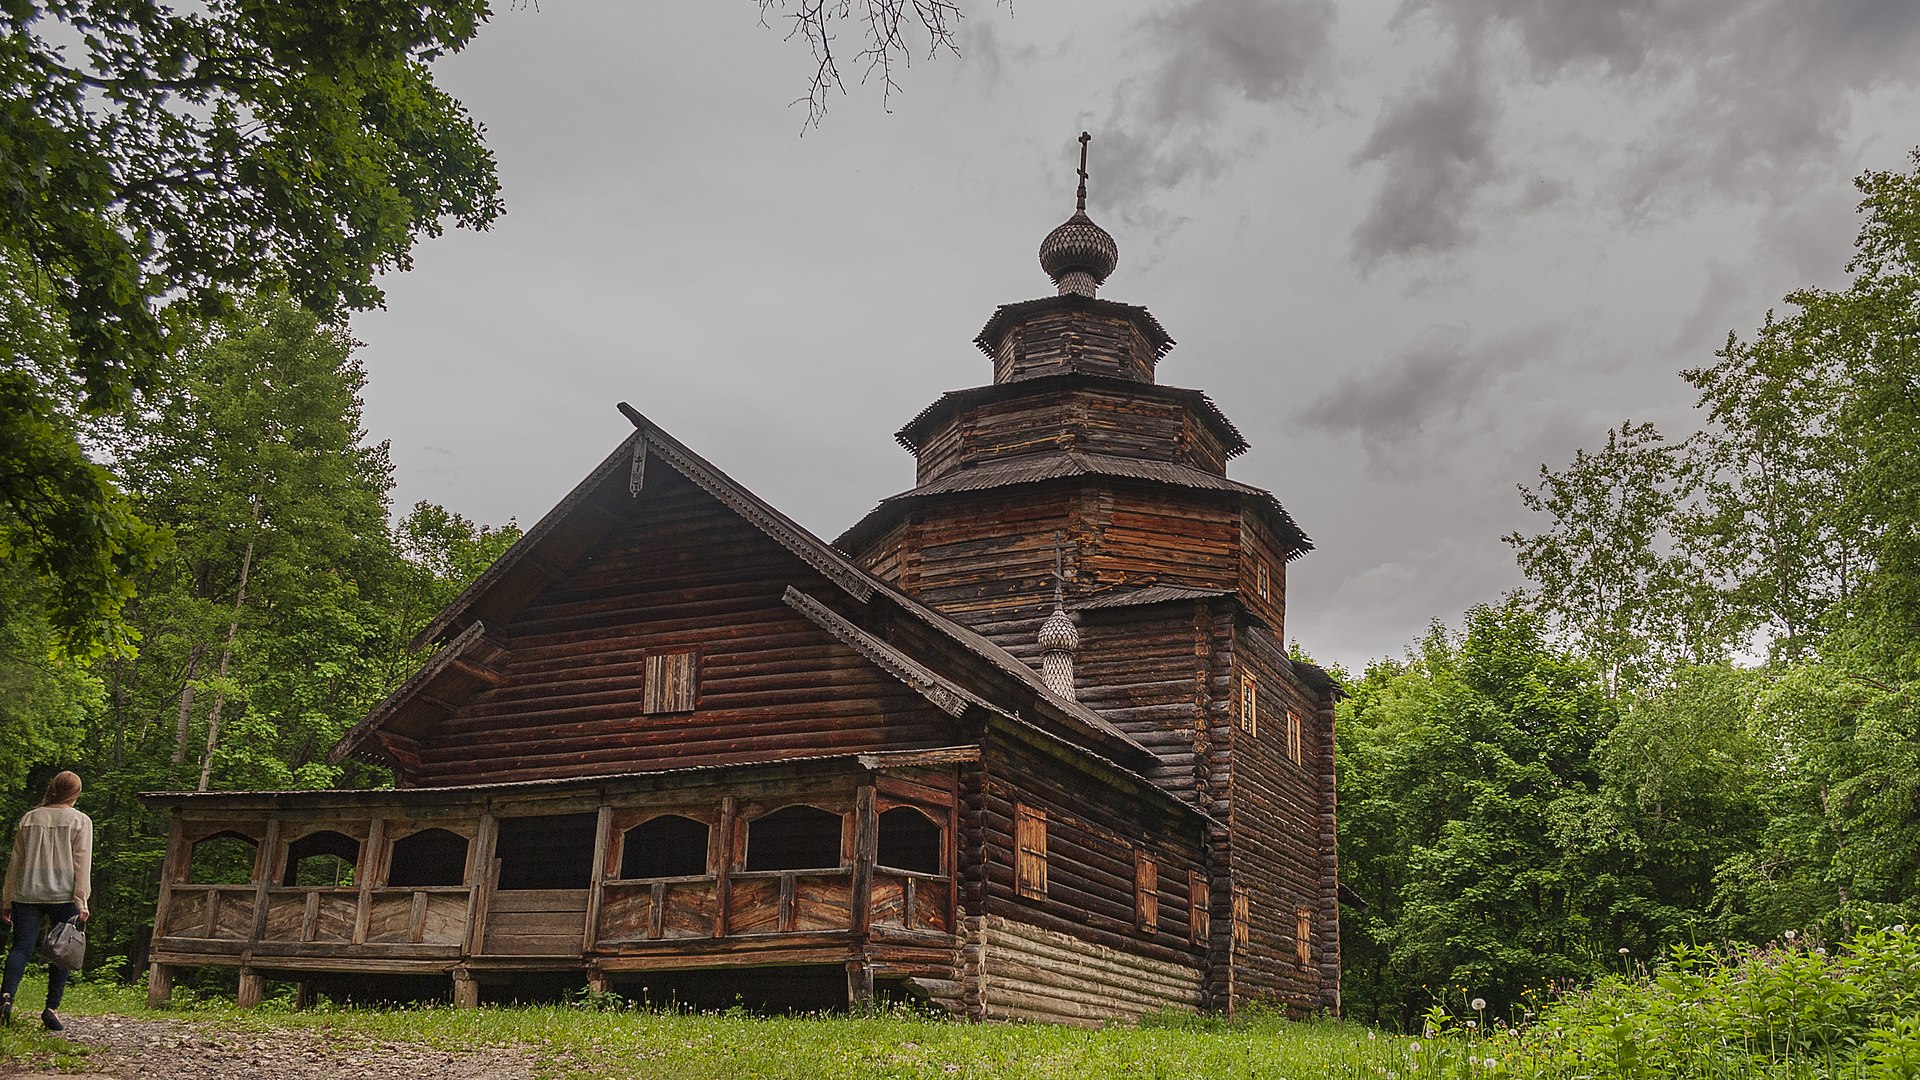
(1696,725)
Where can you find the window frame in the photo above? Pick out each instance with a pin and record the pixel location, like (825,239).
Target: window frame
(1199,908)
(1303,937)
(1250,704)
(1146,892)
(1029,851)
(672,682)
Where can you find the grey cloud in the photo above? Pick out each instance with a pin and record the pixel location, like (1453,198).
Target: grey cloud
(1411,409)
(1435,146)
(1207,57)
(1746,99)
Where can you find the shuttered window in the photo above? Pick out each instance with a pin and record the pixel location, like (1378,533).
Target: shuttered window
(1303,936)
(1242,920)
(1146,893)
(1199,913)
(1262,581)
(672,683)
(1249,705)
(1030,851)
(1293,736)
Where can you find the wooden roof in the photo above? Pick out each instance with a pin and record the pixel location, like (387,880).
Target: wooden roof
(544,552)
(1058,465)
(914,433)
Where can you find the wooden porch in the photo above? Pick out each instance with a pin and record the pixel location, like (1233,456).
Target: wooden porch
(845,861)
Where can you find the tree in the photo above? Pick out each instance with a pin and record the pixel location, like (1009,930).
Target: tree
(1617,569)
(1457,769)
(160,162)
(884,25)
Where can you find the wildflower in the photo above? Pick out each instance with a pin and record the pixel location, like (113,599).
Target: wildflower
(1414,1047)
(1372,1034)
(1478,1004)
(1789,935)
(1471,1024)
(1899,928)
(1513,1032)
(1821,951)
(1624,950)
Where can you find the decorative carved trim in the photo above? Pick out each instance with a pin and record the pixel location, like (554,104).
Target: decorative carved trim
(944,695)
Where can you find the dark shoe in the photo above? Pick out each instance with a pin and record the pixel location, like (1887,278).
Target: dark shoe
(6,1008)
(52,1021)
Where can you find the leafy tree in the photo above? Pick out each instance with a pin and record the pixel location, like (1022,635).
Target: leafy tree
(1456,767)
(1617,570)
(163,161)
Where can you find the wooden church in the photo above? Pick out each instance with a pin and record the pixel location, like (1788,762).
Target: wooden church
(1024,742)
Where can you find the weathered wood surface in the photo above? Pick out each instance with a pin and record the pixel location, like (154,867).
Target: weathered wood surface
(1035,973)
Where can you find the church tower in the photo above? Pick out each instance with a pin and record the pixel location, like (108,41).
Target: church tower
(1077,493)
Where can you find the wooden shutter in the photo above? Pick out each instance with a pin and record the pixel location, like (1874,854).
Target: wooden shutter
(1146,893)
(1303,936)
(1242,920)
(1293,735)
(672,683)
(1030,851)
(1199,913)
(1250,705)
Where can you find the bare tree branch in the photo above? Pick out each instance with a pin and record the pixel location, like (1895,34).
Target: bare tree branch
(885,25)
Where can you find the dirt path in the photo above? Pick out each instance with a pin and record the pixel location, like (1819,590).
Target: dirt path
(128,1049)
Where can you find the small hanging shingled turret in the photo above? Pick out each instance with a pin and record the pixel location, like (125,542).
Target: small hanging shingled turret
(1078,255)
(1059,638)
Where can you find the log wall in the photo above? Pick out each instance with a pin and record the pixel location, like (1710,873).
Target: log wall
(1090,419)
(1032,973)
(1069,339)
(684,573)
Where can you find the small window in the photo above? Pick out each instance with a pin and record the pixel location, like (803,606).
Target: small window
(1293,736)
(551,852)
(323,858)
(1146,893)
(672,682)
(428,858)
(225,858)
(1250,705)
(1262,580)
(1242,920)
(1303,937)
(1030,851)
(909,840)
(666,846)
(1199,912)
(795,838)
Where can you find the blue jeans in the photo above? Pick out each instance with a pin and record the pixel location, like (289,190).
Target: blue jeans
(28,920)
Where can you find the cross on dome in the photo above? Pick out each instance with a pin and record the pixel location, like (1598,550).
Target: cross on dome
(1078,255)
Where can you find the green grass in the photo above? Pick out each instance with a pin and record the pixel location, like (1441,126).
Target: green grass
(578,1042)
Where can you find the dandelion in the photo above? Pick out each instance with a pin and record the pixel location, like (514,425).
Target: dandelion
(1821,951)
(1624,950)
(1372,1035)
(1790,935)
(1414,1047)
(1899,928)
(1478,1004)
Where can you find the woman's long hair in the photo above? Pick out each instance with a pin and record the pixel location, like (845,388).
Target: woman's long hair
(62,789)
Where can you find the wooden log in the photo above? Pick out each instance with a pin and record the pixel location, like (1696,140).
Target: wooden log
(159,985)
(466,989)
(866,840)
(266,865)
(727,843)
(371,858)
(602,852)
(253,988)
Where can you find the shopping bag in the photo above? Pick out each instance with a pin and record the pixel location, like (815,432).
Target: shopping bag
(65,946)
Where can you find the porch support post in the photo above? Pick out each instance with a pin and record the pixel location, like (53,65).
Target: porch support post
(866,841)
(602,848)
(466,989)
(159,985)
(723,880)
(253,988)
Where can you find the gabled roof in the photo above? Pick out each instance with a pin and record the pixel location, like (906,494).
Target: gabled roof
(545,550)
(913,434)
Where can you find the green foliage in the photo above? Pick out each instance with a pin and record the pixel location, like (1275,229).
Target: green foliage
(163,162)
(276,618)
(1462,769)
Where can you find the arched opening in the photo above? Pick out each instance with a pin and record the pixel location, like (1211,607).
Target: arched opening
(552,852)
(225,858)
(322,858)
(909,840)
(427,858)
(794,838)
(666,846)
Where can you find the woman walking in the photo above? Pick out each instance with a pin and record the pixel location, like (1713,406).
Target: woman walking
(48,882)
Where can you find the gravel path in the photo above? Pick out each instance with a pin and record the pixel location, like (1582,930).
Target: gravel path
(128,1049)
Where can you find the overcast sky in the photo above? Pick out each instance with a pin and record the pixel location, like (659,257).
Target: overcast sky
(1414,249)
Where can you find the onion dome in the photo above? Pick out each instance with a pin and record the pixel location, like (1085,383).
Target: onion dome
(1078,255)
(1058,634)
